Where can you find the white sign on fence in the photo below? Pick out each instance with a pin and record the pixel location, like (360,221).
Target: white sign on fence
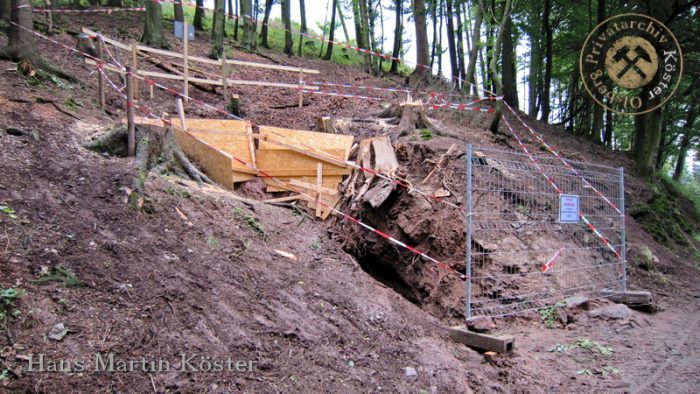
(179,28)
(568,208)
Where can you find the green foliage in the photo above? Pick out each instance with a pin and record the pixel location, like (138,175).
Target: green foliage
(425,134)
(178,192)
(72,104)
(212,242)
(8,297)
(549,316)
(252,221)
(8,211)
(585,344)
(59,274)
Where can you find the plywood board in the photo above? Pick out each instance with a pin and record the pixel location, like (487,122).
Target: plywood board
(216,132)
(306,139)
(287,163)
(241,177)
(215,163)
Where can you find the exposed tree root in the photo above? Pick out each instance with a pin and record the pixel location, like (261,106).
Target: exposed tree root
(39,63)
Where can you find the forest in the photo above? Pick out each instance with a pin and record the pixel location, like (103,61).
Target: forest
(478,196)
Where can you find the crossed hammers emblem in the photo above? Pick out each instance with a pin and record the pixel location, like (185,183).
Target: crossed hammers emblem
(623,54)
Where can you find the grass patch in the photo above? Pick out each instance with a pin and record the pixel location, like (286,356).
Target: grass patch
(58,274)
(585,344)
(8,211)
(8,297)
(252,221)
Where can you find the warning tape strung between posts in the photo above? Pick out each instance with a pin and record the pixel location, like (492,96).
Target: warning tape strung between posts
(461,107)
(568,165)
(537,165)
(80,11)
(546,266)
(401,183)
(147,111)
(360,87)
(346,95)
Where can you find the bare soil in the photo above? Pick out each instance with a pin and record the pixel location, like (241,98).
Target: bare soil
(196,274)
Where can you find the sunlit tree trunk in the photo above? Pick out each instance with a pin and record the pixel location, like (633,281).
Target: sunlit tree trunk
(287,19)
(422,55)
(153,26)
(217,30)
(331,34)
(265,22)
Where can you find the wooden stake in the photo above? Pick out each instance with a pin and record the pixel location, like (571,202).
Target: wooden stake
(181,112)
(185,58)
(224,76)
(131,134)
(301,87)
(100,75)
(319,187)
(251,146)
(151,92)
(135,67)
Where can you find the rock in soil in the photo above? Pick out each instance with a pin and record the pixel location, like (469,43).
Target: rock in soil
(615,311)
(481,324)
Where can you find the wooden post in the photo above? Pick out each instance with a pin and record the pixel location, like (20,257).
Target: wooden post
(319,186)
(131,134)
(181,112)
(224,76)
(100,74)
(151,93)
(135,67)
(186,66)
(251,146)
(301,87)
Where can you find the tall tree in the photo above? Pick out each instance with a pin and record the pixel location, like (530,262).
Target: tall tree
(329,49)
(493,66)
(20,41)
(548,54)
(340,17)
(265,23)
(304,29)
(398,35)
(692,114)
(360,32)
(248,23)
(596,128)
(510,82)
(198,22)
(5,10)
(287,19)
(217,29)
(461,68)
(451,46)
(422,55)
(153,25)
(476,42)
(178,11)
(236,21)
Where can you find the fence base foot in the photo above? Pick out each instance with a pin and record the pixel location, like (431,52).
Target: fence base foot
(638,299)
(494,343)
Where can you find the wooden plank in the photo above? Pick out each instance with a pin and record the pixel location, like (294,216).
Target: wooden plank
(186,63)
(319,187)
(289,163)
(313,188)
(107,39)
(140,120)
(251,145)
(227,135)
(495,343)
(241,176)
(305,139)
(215,163)
(135,68)
(181,112)
(284,199)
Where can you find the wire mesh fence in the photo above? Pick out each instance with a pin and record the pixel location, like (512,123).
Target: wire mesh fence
(541,230)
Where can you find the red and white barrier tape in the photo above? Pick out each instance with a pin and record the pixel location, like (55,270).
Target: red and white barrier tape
(537,165)
(89,10)
(568,165)
(346,95)
(548,265)
(146,110)
(359,87)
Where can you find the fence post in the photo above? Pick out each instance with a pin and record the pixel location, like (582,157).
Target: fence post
(224,74)
(135,66)
(131,134)
(468,242)
(623,230)
(186,66)
(301,87)
(100,75)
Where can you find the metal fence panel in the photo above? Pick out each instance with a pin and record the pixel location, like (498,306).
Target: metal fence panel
(522,256)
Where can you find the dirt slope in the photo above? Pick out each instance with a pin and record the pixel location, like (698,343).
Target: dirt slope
(204,281)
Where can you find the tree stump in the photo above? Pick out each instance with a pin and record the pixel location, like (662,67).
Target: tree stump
(234,105)
(409,116)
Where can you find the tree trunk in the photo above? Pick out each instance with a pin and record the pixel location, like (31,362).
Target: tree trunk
(198,15)
(217,29)
(366,33)
(20,40)
(608,139)
(266,21)
(494,66)
(340,17)
(510,80)
(685,143)
(287,18)
(329,49)
(236,21)
(597,109)
(476,41)
(647,136)
(461,68)
(179,14)
(248,24)
(546,84)
(534,77)
(451,47)
(434,41)
(359,32)
(421,38)
(304,28)
(398,36)
(5,9)
(153,27)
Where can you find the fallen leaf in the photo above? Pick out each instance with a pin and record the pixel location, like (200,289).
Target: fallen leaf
(286,254)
